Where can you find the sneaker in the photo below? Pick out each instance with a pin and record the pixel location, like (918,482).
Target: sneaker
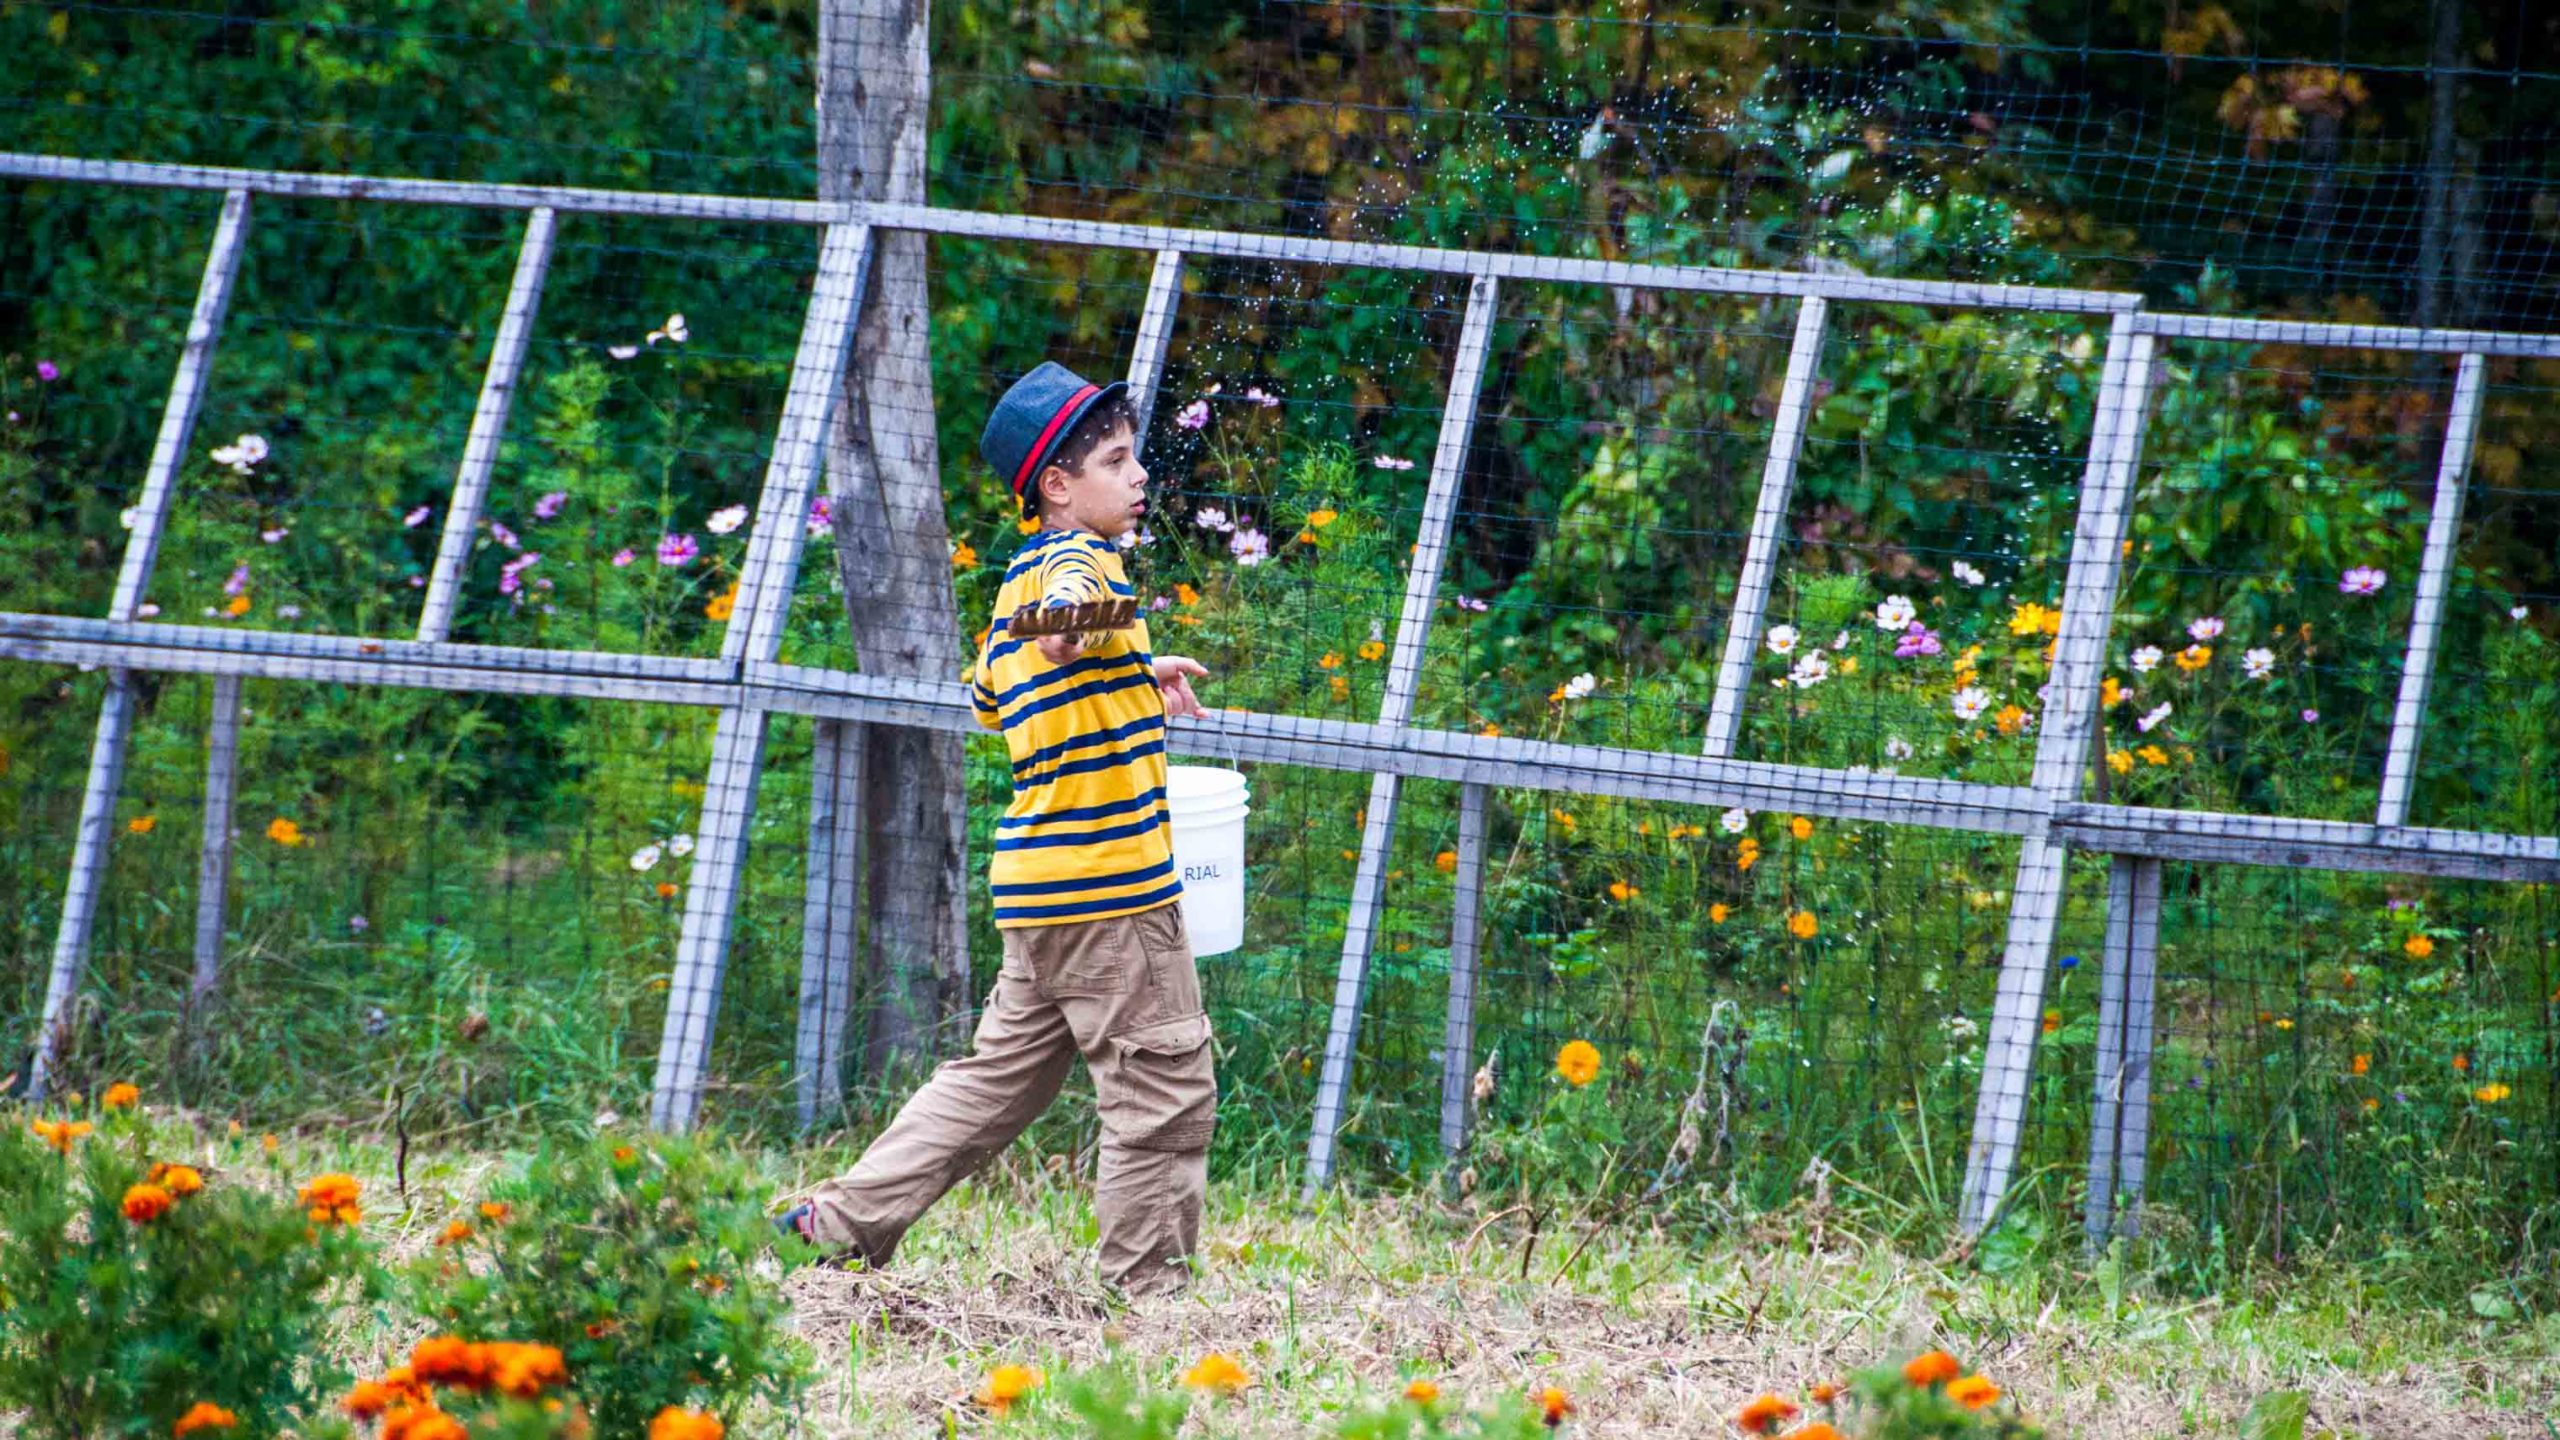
(795,1223)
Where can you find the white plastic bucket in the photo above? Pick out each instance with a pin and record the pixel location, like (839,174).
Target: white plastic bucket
(1209,806)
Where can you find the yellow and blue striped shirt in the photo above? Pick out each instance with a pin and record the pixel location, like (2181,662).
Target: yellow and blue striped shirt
(1087,836)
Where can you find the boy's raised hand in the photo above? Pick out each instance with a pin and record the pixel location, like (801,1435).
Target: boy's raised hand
(1173,678)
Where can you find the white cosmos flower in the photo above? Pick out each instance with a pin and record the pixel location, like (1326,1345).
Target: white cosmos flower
(1581,686)
(1782,640)
(1810,671)
(622,352)
(644,858)
(1897,748)
(1896,613)
(679,845)
(1210,517)
(726,519)
(1970,702)
(672,330)
(2147,659)
(1735,820)
(2148,722)
(2260,663)
(1967,573)
(2208,628)
(2518,613)
(241,454)
(130,513)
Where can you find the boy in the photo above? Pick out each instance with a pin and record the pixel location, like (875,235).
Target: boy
(1096,961)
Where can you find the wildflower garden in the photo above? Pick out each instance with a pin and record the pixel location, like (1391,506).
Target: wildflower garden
(374,1160)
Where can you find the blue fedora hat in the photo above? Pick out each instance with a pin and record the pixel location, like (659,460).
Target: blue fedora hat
(1035,416)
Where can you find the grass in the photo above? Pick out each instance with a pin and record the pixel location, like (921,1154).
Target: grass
(1654,1333)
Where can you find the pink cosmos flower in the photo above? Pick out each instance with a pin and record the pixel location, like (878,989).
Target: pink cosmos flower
(46,371)
(1918,640)
(549,505)
(678,549)
(822,516)
(1250,546)
(502,535)
(2363,580)
(622,557)
(2310,717)
(417,517)
(238,582)
(1194,416)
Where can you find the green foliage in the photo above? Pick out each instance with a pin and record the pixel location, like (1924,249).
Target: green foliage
(637,1259)
(112,1325)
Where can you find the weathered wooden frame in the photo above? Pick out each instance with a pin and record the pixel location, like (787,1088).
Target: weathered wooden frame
(747,684)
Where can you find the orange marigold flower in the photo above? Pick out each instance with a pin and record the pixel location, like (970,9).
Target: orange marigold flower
(449,1360)
(236,606)
(1622,892)
(1972,1392)
(1803,926)
(142,824)
(2492,1094)
(1373,649)
(60,1133)
(179,1180)
(666,889)
(1007,1385)
(2195,657)
(423,1422)
(2034,619)
(1183,594)
(1553,1406)
(204,1415)
(1823,1392)
(331,1198)
(1818,1430)
(1764,1415)
(522,1370)
(2419,947)
(675,1424)
(284,832)
(455,1233)
(624,1154)
(146,1202)
(1217,1371)
(1719,913)
(1578,1062)
(1422,1392)
(1935,1368)
(1330,660)
(370,1399)
(1801,828)
(2052,1021)
(2360,1064)
(1446,862)
(2462,1063)
(121,1096)
(494,1211)
(963,557)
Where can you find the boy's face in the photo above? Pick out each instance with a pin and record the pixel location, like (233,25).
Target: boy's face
(1107,494)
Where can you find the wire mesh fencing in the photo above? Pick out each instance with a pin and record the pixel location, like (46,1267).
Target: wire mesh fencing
(1707,666)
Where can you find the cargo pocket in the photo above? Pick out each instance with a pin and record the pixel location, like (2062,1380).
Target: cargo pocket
(1163,1086)
(1173,977)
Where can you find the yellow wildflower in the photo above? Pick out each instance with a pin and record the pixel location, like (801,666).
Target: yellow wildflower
(1217,1371)
(1578,1062)
(1802,925)
(284,832)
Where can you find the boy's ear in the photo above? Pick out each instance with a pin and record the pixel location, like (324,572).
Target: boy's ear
(1051,486)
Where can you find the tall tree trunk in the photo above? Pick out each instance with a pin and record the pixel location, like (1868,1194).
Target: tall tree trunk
(893,546)
(2436,228)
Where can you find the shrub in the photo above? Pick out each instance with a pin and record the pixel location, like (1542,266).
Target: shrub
(635,1260)
(140,1294)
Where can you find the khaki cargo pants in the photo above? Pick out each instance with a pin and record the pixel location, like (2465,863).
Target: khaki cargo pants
(1125,994)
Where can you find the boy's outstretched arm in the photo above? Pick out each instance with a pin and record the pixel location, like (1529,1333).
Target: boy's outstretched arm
(1173,678)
